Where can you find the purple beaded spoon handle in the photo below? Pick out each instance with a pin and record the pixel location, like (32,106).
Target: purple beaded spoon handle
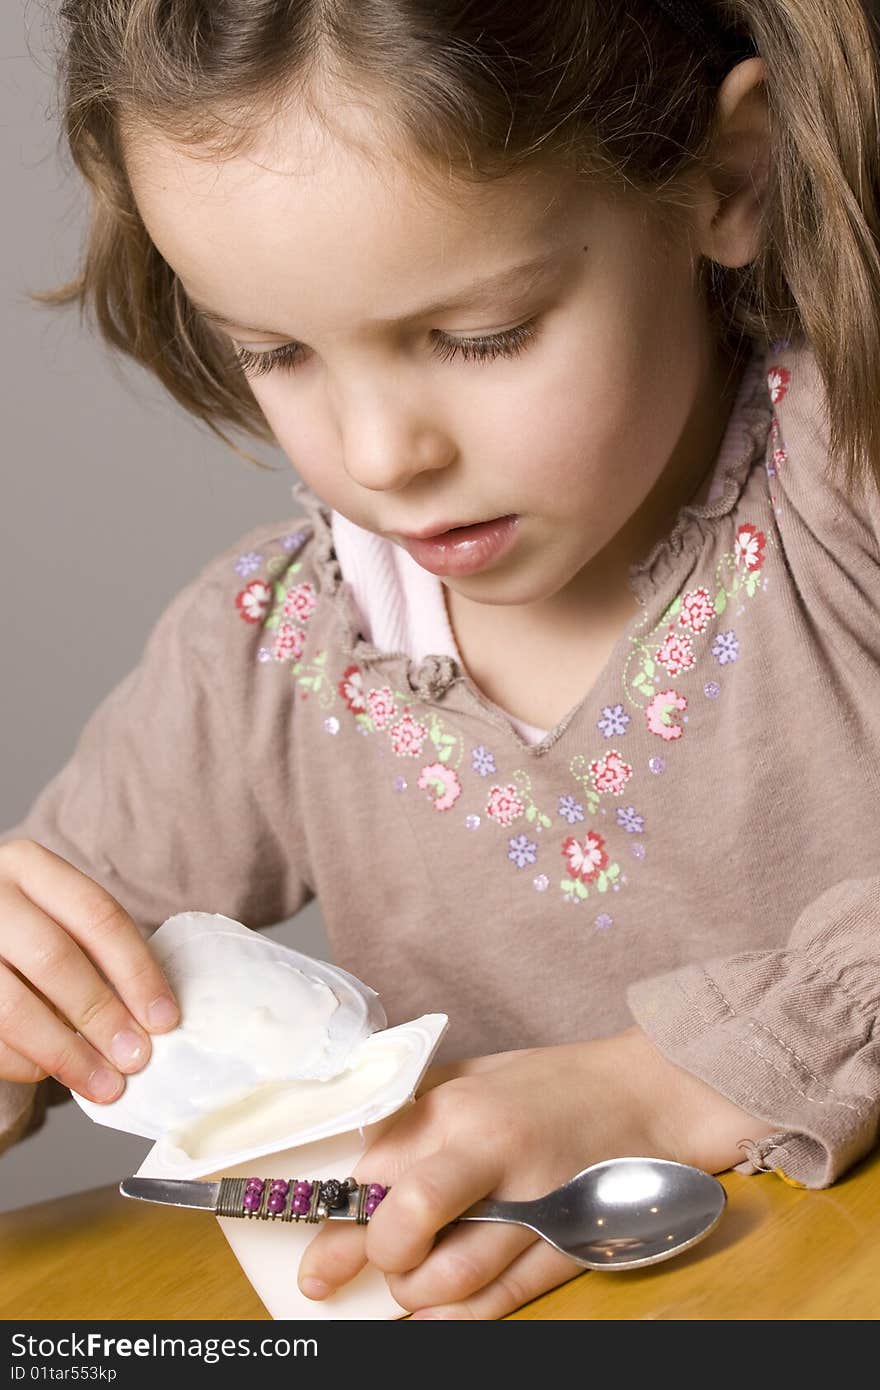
(298,1199)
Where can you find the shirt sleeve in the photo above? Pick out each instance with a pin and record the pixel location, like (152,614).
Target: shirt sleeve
(174,796)
(791,1036)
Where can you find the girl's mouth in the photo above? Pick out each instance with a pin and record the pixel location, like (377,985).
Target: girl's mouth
(463,549)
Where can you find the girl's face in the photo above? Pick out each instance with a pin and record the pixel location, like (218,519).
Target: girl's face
(431,358)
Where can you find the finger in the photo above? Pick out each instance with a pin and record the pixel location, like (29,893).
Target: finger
(28,1025)
(102,928)
(14,1067)
(424,1199)
(49,960)
(537,1270)
(401,1231)
(465,1259)
(335,1255)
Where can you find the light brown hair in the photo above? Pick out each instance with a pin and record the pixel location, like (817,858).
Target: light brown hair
(618,91)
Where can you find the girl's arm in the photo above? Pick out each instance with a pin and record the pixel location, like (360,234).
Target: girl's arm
(771,1056)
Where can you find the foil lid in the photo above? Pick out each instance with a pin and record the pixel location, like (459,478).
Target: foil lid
(263,1028)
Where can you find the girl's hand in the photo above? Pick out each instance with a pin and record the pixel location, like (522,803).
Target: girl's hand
(79,990)
(513,1126)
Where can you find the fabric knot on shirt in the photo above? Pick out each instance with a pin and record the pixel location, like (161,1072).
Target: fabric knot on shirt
(432,677)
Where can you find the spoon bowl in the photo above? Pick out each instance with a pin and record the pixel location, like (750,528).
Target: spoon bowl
(622,1213)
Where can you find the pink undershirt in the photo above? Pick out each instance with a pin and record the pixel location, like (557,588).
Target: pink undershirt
(403,608)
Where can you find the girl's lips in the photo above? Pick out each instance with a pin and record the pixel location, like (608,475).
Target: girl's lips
(464,549)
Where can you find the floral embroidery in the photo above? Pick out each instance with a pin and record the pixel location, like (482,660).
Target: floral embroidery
(587,863)
(571,810)
(253,601)
(585,858)
(614,721)
(725,648)
(522,851)
(407,736)
(610,774)
(697,610)
(380,706)
(300,602)
(629,820)
(482,761)
(248,564)
(504,806)
(749,547)
(778,381)
(778,456)
(351,688)
(659,714)
(289,643)
(676,653)
(442,783)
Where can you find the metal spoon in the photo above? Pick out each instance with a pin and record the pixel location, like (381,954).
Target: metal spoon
(619,1214)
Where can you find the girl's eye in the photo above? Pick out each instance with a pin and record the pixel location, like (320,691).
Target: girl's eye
(507,344)
(485,349)
(259,363)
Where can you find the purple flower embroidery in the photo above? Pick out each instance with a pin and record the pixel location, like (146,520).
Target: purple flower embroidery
(247,564)
(614,721)
(294,541)
(570,810)
(629,820)
(726,647)
(522,851)
(482,761)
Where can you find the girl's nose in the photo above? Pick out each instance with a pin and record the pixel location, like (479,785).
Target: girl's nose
(386,442)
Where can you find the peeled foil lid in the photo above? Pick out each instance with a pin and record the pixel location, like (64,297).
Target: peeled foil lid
(256,1016)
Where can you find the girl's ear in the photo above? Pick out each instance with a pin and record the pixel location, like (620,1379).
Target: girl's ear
(729,229)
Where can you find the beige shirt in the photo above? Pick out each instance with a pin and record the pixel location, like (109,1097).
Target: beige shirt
(694,846)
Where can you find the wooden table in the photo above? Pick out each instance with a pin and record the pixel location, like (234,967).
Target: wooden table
(779,1253)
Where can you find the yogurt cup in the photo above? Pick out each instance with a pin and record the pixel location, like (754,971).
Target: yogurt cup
(220,1101)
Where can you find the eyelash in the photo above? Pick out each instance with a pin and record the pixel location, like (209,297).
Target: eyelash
(510,343)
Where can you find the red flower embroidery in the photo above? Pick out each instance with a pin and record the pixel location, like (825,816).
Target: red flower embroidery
(300,602)
(381,706)
(611,773)
(442,783)
(676,653)
(407,736)
(748,547)
(659,714)
(504,806)
(778,379)
(585,858)
(351,688)
(253,601)
(697,610)
(289,643)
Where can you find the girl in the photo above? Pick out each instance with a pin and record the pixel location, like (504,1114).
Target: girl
(562,691)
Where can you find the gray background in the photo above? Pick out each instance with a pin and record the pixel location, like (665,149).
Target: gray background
(104,479)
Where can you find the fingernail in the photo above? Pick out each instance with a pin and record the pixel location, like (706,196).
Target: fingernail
(127,1048)
(105,1084)
(163,1012)
(314,1288)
